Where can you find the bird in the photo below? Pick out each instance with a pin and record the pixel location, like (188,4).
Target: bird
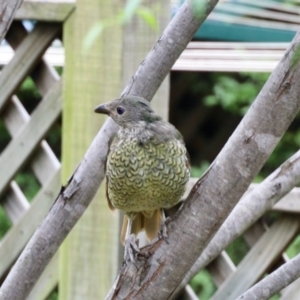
(147,165)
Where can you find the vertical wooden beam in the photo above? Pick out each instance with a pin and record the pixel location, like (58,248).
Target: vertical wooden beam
(88,256)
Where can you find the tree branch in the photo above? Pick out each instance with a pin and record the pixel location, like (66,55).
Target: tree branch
(250,208)
(274,282)
(217,192)
(7,12)
(82,186)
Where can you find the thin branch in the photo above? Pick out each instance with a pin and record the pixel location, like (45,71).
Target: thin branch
(157,274)
(250,208)
(82,186)
(7,12)
(275,282)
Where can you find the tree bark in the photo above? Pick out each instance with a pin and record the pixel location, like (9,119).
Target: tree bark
(275,282)
(7,12)
(250,208)
(157,274)
(82,186)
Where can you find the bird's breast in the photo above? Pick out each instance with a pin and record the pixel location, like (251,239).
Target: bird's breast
(146,176)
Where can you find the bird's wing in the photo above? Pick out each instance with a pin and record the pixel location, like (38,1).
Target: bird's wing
(111,143)
(164,131)
(110,205)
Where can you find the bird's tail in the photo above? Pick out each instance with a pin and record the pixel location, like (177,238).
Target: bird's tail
(151,225)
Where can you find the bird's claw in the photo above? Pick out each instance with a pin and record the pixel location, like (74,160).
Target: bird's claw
(163,232)
(131,249)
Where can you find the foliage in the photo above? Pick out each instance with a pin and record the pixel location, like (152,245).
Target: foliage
(4,223)
(199,7)
(4,136)
(53,295)
(236,93)
(275,297)
(237,250)
(28,184)
(294,248)
(131,8)
(29,95)
(200,170)
(203,285)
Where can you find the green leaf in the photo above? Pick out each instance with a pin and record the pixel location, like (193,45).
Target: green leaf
(96,30)
(92,35)
(147,16)
(211,100)
(198,171)
(130,9)
(198,7)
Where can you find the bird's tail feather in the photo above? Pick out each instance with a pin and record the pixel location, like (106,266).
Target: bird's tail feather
(151,225)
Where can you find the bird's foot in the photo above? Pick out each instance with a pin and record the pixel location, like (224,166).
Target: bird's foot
(163,232)
(131,248)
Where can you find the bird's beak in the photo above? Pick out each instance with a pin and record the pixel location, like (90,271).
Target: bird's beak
(102,109)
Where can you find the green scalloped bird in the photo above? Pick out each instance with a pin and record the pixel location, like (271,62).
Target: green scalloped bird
(147,167)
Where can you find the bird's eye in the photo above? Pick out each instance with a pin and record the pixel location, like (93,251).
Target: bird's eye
(120,110)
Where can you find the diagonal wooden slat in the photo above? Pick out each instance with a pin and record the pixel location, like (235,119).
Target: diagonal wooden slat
(260,258)
(22,146)
(42,74)
(221,268)
(254,233)
(25,58)
(44,163)
(14,203)
(188,294)
(15,240)
(14,116)
(291,292)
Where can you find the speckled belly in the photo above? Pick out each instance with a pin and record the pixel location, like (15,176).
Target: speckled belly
(146,177)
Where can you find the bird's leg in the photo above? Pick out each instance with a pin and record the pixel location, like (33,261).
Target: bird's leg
(129,227)
(163,233)
(131,244)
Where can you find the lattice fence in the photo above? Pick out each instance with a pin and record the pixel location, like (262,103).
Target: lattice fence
(264,247)
(27,147)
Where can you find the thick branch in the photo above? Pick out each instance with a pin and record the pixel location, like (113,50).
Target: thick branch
(7,11)
(214,196)
(248,211)
(74,199)
(275,282)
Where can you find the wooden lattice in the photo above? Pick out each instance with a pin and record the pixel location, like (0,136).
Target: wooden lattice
(27,133)
(267,245)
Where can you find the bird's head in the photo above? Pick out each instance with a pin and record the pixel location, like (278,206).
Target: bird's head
(128,111)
